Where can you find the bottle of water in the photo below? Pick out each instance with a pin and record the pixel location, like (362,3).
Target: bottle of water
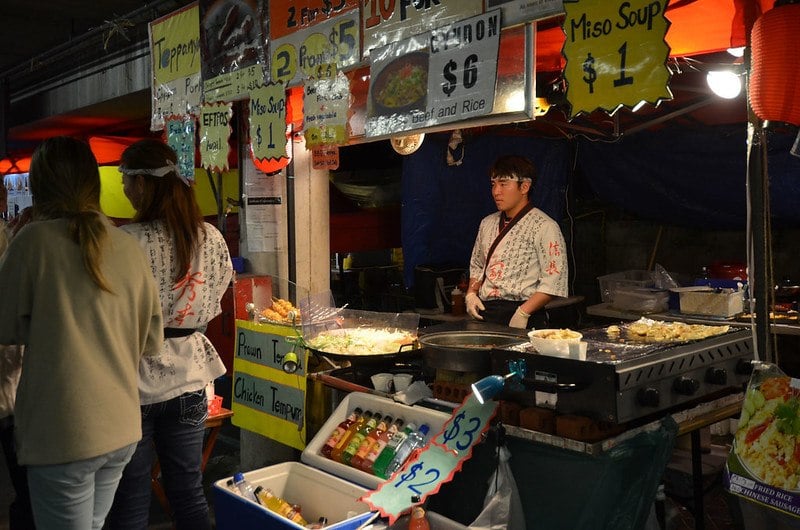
(245,488)
(414,440)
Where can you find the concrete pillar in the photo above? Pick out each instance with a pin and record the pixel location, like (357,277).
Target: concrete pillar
(309,211)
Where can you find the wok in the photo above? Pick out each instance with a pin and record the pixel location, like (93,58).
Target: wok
(464,351)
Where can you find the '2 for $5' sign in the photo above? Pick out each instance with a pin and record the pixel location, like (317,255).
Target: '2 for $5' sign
(616,53)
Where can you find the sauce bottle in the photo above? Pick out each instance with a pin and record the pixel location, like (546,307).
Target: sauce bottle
(418,520)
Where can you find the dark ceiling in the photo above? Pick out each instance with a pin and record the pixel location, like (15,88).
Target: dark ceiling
(32,28)
(41,36)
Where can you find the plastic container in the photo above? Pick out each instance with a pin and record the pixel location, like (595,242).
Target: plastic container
(610,283)
(640,300)
(712,303)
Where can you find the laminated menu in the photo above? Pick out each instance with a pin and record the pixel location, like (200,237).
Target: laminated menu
(764,463)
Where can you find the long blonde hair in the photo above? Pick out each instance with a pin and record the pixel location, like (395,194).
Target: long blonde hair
(65,183)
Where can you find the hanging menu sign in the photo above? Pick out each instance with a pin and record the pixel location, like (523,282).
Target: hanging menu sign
(268,123)
(302,53)
(442,76)
(215,129)
(616,54)
(175,61)
(325,107)
(385,21)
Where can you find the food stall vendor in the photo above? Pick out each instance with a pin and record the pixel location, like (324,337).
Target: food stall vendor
(519,260)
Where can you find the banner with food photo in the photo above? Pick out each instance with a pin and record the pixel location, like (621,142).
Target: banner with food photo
(233,48)
(443,76)
(764,463)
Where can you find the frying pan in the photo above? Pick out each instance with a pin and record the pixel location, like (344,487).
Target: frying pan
(464,351)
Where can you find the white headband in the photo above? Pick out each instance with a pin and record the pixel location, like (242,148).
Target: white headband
(157,172)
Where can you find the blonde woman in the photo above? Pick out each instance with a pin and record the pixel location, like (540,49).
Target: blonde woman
(78,295)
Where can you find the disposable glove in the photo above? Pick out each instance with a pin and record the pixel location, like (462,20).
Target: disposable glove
(474,304)
(520,319)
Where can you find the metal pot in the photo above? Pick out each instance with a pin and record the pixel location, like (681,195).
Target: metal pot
(464,351)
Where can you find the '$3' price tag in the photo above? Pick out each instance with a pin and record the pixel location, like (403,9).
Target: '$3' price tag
(465,426)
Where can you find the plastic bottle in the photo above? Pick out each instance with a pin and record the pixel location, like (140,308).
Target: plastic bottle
(336,452)
(387,454)
(379,444)
(278,505)
(360,435)
(363,449)
(245,488)
(418,520)
(414,440)
(336,436)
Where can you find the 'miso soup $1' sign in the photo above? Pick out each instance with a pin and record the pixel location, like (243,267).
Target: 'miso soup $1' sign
(616,53)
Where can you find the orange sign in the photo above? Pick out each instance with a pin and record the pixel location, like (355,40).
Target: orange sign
(288,16)
(325,157)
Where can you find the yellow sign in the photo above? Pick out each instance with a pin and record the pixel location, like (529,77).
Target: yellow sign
(265,399)
(175,41)
(215,130)
(268,122)
(616,54)
(311,52)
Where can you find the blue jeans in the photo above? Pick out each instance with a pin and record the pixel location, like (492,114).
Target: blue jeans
(76,495)
(174,430)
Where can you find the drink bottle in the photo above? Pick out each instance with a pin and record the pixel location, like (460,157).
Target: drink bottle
(363,450)
(415,440)
(358,438)
(338,432)
(387,454)
(244,487)
(278,505)
(380,443)
(336,452)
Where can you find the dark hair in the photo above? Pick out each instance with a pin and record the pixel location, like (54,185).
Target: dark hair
(65,183)
(513,166)
(167,199)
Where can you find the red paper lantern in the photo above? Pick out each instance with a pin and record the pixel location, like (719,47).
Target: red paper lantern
(775,72)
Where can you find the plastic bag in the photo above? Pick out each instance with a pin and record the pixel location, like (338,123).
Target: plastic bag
(762,463)
(662,279)
(502,508)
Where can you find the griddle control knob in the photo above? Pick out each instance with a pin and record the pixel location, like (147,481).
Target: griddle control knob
(745,366)
(717,376)
(686,385)
(648,397)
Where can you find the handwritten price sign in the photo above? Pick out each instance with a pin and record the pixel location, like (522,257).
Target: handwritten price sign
(301,54)
(268,122)
(436,464)
(616,53)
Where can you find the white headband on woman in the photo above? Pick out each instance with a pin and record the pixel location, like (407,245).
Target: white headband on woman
(157,172)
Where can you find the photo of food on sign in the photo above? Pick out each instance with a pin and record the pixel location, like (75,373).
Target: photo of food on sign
(767,441)
(230,35)
(401,85)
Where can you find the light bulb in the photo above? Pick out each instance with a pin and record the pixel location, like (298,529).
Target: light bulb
(724,83)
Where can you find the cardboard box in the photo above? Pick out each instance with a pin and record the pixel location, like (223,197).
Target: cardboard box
(709,302)
(322,487)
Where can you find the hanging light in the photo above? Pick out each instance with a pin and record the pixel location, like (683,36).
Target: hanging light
(775,73)
(726,84)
